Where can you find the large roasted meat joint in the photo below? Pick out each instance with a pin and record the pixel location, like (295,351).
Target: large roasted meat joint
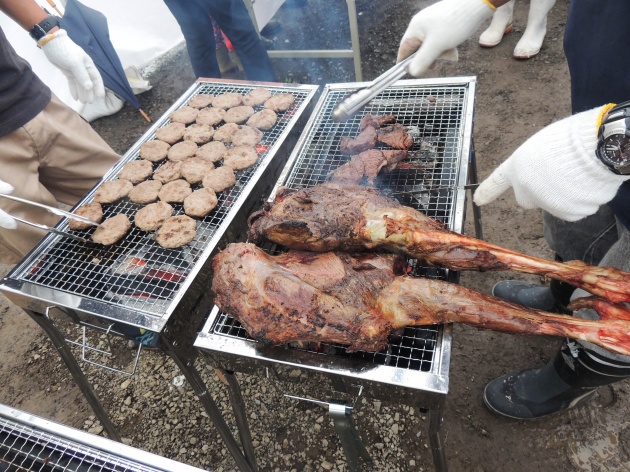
(358,300)
(343,279)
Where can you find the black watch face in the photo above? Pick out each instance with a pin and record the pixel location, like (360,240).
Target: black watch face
(616,149)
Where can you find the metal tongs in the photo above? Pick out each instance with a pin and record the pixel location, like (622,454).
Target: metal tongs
(55,211)
(352,104)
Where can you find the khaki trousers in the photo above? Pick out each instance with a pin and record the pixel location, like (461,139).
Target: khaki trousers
(55,158)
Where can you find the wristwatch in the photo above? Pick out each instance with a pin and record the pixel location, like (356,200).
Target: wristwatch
(613,139)
(42,28)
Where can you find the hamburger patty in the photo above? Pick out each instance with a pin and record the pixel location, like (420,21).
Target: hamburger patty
(152,216)
(136,171)
(227,100)
(145,192)
(280,102)
(214,151)
(176,231)
(154,151)
(263,120)
(201,101)
(240,157)
(257,97)
(184,115)
(238,114)
(112,191)
(225,133)
(210,116)
(200,202)
(112,230)
(171,133)
(92,211)
(168,171)
(220,179)
(182,150)
(246,136)
(195,168)
(175,191)
(199,134)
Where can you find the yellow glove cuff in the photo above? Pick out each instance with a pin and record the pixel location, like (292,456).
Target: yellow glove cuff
(492,7)
(605,109)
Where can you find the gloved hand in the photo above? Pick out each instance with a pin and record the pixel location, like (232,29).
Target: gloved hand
(557,170)
(83,77)
(5,220)
(438,29)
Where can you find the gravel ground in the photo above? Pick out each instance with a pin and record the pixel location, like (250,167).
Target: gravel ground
(157,411)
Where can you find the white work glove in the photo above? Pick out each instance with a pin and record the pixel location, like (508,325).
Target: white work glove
(84,79)
(438,29)
(557,170)
(5,219)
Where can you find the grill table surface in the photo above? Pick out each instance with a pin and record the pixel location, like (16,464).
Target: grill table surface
(29,443)
(438,113)
(95,279)
(86,281)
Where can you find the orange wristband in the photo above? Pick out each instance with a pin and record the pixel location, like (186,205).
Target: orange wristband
(45,39)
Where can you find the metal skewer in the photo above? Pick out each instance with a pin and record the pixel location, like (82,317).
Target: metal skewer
(437,189)
(352,104)
(53,210)
(50,229)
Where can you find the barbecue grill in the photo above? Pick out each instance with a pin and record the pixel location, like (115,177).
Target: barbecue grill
(415,366)
(135,282)
(31,443)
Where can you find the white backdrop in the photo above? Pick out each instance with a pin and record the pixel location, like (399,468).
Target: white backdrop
(140,30)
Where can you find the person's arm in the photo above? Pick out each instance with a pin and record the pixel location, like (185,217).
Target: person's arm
(84,79)
(558,170)
(437,30)
(26,13)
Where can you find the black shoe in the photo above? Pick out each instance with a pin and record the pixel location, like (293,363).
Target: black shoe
(271,28)
(538,297)
(567,381)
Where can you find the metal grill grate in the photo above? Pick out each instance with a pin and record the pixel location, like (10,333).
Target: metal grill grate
(23,448)
(30,443)
(436,116)
(136,272)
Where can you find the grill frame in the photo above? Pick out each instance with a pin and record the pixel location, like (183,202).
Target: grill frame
(38,297)
(378,381)
(84,451)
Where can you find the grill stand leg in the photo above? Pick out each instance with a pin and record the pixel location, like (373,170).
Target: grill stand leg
(353,447)
(240,415)
(79,377)
(194,379)
(435,437)
(473,179)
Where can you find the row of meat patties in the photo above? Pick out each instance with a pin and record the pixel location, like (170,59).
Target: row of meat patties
(191,159)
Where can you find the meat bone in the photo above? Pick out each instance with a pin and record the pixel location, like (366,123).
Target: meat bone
(331,217)
(358,300)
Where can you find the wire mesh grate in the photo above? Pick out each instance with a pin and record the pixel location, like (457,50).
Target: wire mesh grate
(434,116)
(136,272)
(23,448)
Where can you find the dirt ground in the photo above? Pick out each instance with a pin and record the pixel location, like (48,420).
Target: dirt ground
(514,99)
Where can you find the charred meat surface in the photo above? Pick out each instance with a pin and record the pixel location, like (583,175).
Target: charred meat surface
(396,136)
(367,164)
(358,300)
(365,140)
(376,121)
(332,217)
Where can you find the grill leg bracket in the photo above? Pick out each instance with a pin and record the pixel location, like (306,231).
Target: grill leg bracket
(185,364)
(353,447)
(79,377)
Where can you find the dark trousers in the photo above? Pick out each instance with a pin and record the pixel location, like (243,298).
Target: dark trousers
(597,46)
(232,16)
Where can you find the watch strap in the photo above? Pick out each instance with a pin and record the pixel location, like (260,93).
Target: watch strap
(42,28)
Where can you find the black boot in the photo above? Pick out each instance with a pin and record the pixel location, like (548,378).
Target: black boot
(569,380)
(554,298)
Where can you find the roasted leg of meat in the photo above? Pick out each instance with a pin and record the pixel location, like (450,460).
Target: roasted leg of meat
(331,217)
(358,300)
